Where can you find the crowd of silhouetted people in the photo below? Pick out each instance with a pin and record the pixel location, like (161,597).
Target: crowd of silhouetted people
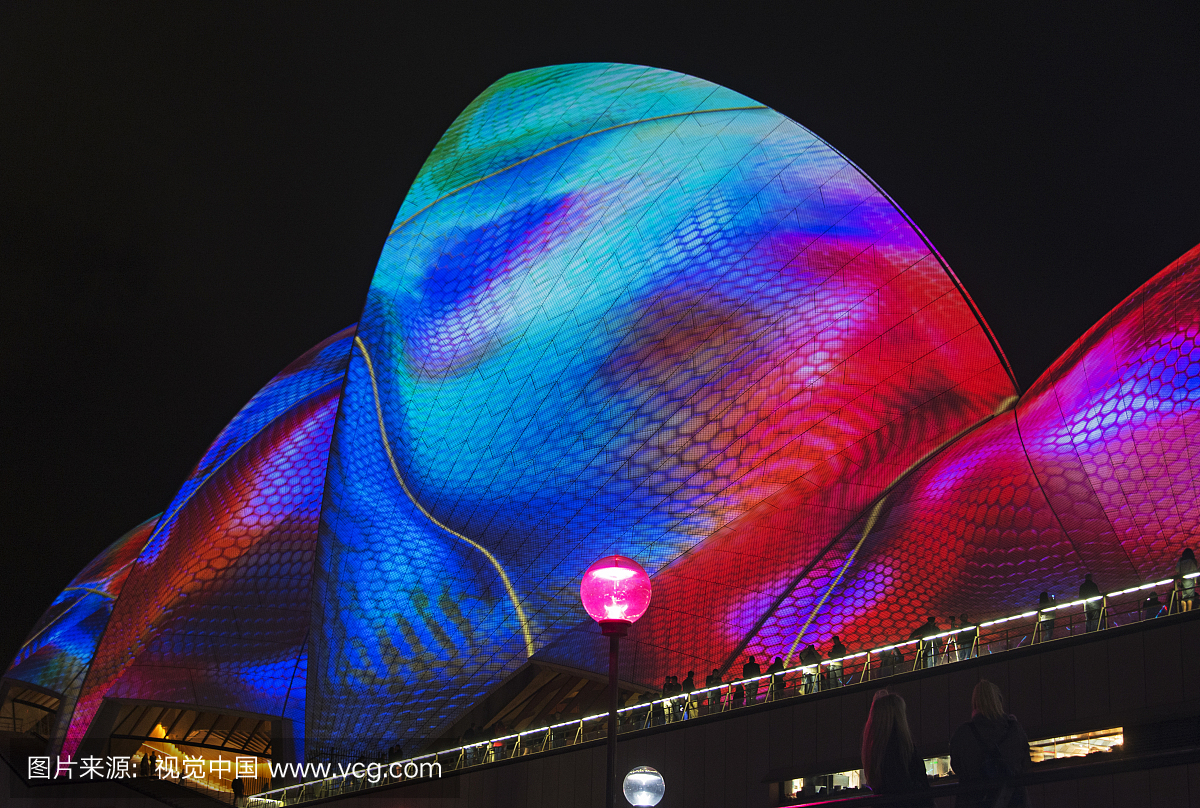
(1181,598)
(929,645)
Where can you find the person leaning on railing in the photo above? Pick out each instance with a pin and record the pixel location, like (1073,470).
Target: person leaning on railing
(891,662)
(927,648)
(1185,588)
(810,658)
(712,698)
(775,688)
(671,690)
(751,670)
(658,710)
(836,652)
(688,686)
(1152,607)
(966,638)
(1045,618)
(1094,608)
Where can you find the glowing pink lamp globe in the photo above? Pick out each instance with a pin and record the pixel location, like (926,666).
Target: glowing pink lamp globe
(615,591)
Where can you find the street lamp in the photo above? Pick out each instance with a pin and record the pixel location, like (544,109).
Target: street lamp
(615,592)
(644,786)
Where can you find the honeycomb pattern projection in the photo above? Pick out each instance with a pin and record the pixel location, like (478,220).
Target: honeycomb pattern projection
(622,310)
(309,373)
(1112,426)
(969,531)
(1091,473)
(217,615)
(415,570)
(62,643)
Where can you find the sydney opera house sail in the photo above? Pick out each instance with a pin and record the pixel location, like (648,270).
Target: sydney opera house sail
(625,310)
(56,655)
(215,611)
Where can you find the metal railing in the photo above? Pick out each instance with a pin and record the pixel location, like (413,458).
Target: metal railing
(34,716)
(40,726)
(958,645)
(165,788)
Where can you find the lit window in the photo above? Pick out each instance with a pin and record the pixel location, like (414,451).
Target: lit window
(823,784)
(1085,743)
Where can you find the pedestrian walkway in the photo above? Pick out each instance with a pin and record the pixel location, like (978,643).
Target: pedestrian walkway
(962,643)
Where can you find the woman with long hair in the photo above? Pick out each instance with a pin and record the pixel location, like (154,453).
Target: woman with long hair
(991,747)
(890,762)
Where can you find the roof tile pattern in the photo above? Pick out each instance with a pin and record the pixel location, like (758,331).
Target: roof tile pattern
(215,612)
(59,649)
(1092,472)
(627,311)
(623,310)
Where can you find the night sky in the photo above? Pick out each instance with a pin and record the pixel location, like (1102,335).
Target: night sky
(193,194)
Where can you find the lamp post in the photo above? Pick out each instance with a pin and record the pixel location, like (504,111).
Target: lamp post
(615,592)
(644,786)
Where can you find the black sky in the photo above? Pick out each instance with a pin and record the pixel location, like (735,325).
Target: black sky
(192,194)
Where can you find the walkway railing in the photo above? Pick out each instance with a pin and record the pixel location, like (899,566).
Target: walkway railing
(165,790)
(965,642)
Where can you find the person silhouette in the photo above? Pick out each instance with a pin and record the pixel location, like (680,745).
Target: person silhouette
(890,762)
(712,699)
(928,648)
(1093,608)
(810,658)
(751,670)
(775,688)
(966,638)
(687,688)
(1186,587)
(836,652)
(1151,607)
(1045,619)
(991,747)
